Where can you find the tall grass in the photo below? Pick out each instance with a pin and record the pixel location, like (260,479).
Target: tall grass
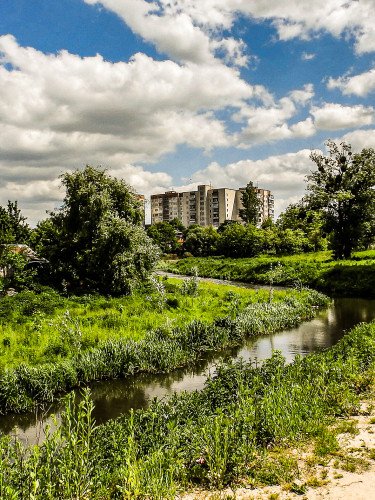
(233,429)
(160,351)
(39,328)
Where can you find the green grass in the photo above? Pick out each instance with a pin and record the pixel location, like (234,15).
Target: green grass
(354,277)
(242,427)
(48,328)
(174,330)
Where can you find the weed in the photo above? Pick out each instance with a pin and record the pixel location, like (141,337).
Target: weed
(347,427)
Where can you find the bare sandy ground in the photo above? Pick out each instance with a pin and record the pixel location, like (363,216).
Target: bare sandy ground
(338,483)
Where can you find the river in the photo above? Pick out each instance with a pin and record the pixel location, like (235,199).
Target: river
(112,398)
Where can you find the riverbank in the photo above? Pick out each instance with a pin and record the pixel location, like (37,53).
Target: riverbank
(249,427)
(347,278)
(347,474)
(227,315)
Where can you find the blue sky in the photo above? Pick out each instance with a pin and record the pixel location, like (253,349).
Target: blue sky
(173,93)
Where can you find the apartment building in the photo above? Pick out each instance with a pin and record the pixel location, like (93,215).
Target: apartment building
(207,206)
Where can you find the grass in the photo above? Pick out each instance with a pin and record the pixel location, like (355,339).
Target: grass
(35,329)
(354,277)
(242,428)
(71,354)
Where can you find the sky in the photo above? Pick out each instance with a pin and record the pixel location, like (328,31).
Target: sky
(169,94)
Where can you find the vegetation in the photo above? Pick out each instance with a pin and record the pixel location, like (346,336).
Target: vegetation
(351,278)
(95,242)
(164,235)
(241,428)
(13,226)
(343,187)
(15,271)
(251,204)
(51,344)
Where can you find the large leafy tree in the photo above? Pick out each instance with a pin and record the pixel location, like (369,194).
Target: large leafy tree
(13,225)
(201,241)
(95,241)
(251,204)
(164,235)
(302,217)
(343,187)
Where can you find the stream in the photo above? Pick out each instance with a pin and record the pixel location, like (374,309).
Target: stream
(115,397)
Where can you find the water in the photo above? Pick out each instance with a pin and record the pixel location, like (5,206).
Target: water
(112,398)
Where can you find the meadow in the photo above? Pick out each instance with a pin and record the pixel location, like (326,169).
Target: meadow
(52,344)
(244,428)
(350,278)
(47,327)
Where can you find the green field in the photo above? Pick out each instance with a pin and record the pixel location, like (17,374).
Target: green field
(354,277)
(46,327)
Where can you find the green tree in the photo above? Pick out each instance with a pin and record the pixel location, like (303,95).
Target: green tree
(251,204)
(343,187)
(302,217)
(164,235)
(201,241)
(13,226)
(240,241)
(95,241)
(14,272)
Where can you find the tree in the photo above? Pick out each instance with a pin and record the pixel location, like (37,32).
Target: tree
(201,241)
(13,226)
(302,217)
(95,241)
(343,187)
(251,205)
(240,241)
(15,272)
(164,235)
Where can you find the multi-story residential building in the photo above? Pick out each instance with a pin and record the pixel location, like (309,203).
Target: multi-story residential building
(207,206)
(142,204)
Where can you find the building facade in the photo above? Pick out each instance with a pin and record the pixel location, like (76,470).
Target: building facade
(207,206)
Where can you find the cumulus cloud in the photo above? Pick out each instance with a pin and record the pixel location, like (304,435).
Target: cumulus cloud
(283,174)
(336,116)
(359,139)
(270,123)
(183,28)
(360,85)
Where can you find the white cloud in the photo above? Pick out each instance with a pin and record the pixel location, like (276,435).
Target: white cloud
(53,105)
(307,56)
(270,123)
(359,139)
(183,28)
(283,174)
(360,85)
(336,116)
(304,19)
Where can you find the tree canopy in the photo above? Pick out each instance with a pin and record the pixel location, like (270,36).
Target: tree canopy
(95,241)
(343,187)
(13,226)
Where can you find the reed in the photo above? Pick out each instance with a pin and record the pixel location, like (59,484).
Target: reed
(160,351)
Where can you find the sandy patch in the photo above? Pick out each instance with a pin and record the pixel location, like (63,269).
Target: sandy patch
(349,476)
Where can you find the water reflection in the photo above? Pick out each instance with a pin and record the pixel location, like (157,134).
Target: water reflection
(113,398)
